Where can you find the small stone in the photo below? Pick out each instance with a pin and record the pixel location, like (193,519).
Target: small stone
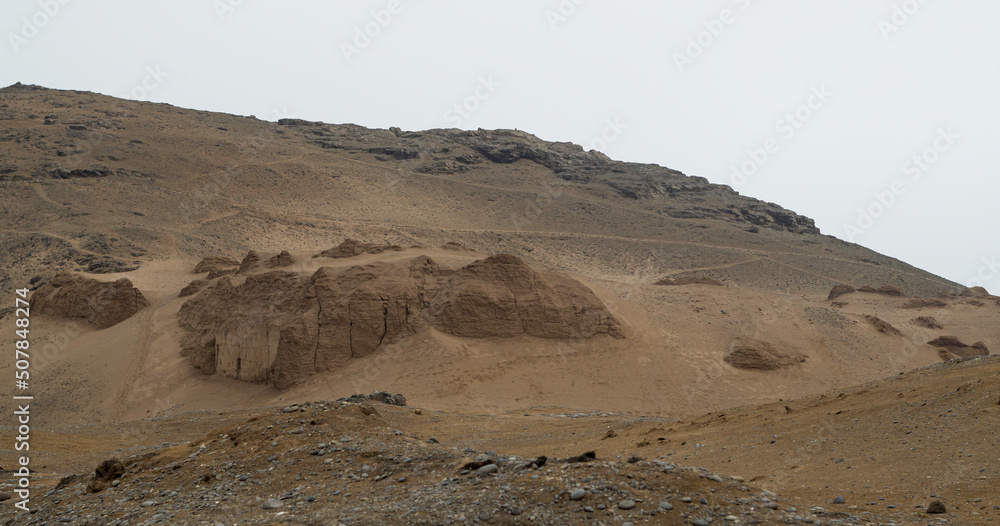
(771,505)
(686,499)
(485,517)
(433,440)
(115,483)
(578,494)
(148,503)
(839,499)
(626,504)
(271,504)
(732,518)
(700,522)
(488,469)
(5,495)
(936,507)
(666,506)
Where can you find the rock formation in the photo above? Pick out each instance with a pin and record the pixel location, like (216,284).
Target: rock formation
(279,327)
(762,356)
(839,290)
(352,247)
(951,348)
(882,326)
(215,262)
(102,303)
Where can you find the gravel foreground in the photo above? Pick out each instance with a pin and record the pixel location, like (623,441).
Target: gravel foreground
(333,463)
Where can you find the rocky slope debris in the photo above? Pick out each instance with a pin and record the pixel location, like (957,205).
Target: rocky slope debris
(279,327)
(378,396)
(101,303)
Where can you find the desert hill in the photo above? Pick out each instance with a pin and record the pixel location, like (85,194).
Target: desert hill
(101,184)
(191,271)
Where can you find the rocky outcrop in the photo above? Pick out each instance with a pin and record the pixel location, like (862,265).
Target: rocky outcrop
(215,262)
(921,303)
(281,259)
(927,322)
(102,303)
(951,348)
(457,151)
(882,326)
(193,288)
(885,290)
(250,262)
(352,247)
(501,296)
(839,290)
(279,327)
(762,356)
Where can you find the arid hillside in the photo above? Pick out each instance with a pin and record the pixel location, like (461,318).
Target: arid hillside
(102,185)
(205,287)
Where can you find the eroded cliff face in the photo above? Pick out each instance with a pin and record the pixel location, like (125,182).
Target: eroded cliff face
(279,327)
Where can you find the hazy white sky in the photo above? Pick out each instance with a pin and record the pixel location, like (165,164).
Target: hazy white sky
(877,118)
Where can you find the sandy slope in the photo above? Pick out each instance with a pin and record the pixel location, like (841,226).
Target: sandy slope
(670,364)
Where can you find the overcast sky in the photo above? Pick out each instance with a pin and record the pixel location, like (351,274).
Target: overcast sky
(877,118)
